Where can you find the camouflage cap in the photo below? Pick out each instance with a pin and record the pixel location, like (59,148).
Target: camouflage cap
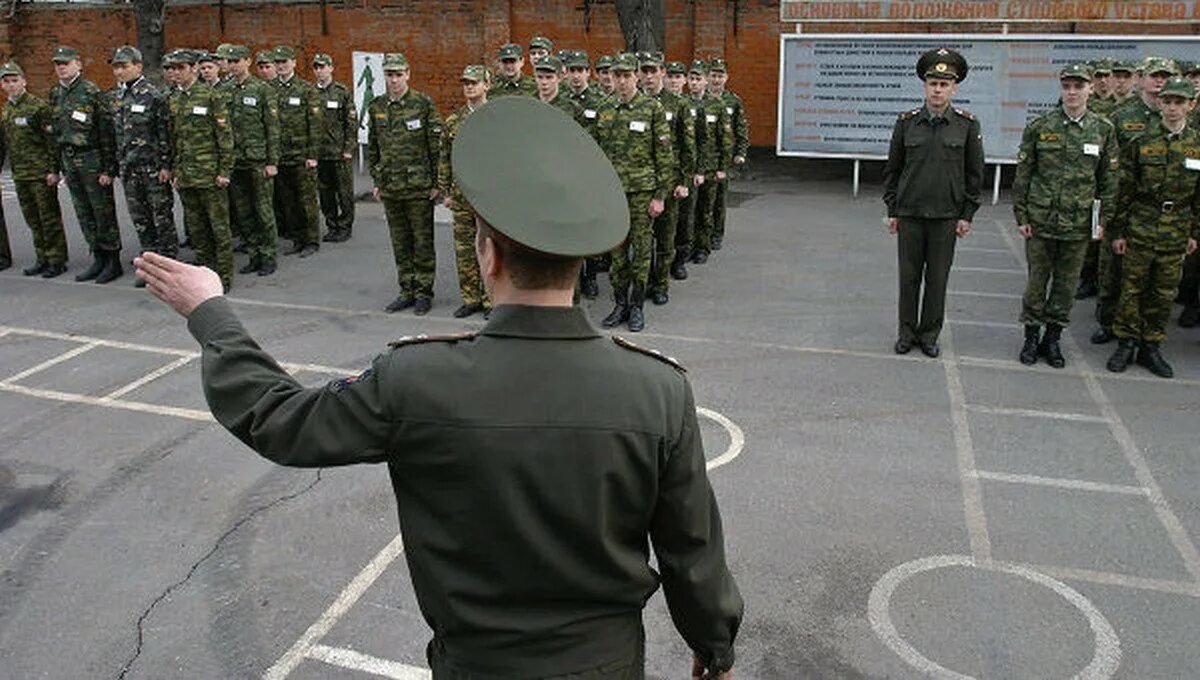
(603,62)
(474,73)
(625,62)
(204,55)
(650,59)
(1187,68)
(284,52)
(1101,66)
(238,52)
(509,51)
(942,63)
(578,59)
(718,65)
(395,61)
(222,50)
(126,54)
(64,54)
(1178,86)
(1124,65)
(265,57)
(698,66)
(1077,70)
(1152,65)
(11,69)
(548,63)
(539,42)
(322,59)
(675,68)
(179,55)
(566,201)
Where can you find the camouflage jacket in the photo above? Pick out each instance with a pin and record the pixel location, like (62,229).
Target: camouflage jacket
(202,139)
(297,120)
(589,99)
(1102,106)
(446,182)
(336,123)
(140,119)
(737,119)
(29,138)
(254,118)
(1131,118)
(714,135)
(403,143)
(81,119)
(934,166)
(1063,166)
(569,106)
(637,140)
(1158,203)
(525,85)
(683,134)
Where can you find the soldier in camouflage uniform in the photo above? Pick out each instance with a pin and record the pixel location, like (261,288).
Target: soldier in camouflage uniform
(1124,79)
(470,282)
(510,80)
(1155,225)
(1102,101)
(209,68)
(141,121)
(202,162)
(547,70)
(714,136)
(84,132)
(403,143)
(604,75)
(336,127)
(34,162)
(1189,283)
(254,120)
(539,46)
(1137,116)
(264,64)
(676,83)
(683,144)
(632,129)
(296,184)
(718,75)
(590,99)
(1067,160)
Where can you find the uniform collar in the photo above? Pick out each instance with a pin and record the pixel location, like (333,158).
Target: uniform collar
(529,321)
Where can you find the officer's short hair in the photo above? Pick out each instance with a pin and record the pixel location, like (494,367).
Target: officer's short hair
(529,269)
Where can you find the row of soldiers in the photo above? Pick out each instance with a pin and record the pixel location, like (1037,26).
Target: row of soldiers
(245,154)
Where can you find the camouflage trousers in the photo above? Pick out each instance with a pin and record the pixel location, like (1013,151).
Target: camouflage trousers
(470,282)
(686,221)
(410,221)
(664,245)
(926,251)
(1148,283)
(252,212)
(5,248)
(718,229)
(296,208)
(39,206)
(1055,263)
(1189,283)
(335,187)
(95,207)
(152,210)
(704,224)
(1108,283)
(206,215)
(631,259)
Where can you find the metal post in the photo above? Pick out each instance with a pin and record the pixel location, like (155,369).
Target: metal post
(996,186)
(857,164)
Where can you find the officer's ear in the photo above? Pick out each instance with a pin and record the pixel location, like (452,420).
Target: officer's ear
(487,252)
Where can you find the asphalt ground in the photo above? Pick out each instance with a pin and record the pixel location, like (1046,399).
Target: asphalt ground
(886,516)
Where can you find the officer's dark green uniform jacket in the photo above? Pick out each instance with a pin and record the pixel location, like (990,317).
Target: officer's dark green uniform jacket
(523,566)
(934,167)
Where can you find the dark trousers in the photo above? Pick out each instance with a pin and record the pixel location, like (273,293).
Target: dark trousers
(95,207)
(631,667)
(1189,285)
(926,251)
(151,206)
(252,211)
(1109,284)
(296,202)
(335,187)
(5,250)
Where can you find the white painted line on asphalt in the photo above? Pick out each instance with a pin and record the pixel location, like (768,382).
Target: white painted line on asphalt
(1071,370)
(115,344)
(737,438)
(990,270)
(71,398)
(964,448)
(54,361)
(1033,413)
(984,294)
(860,354)
(1075,484)
(978,249)
(985,324)
(1105,660)
(148,378)
(365,663)
(1113,579)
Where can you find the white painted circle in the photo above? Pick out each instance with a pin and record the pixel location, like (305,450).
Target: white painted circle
(1108,647)
(737,439)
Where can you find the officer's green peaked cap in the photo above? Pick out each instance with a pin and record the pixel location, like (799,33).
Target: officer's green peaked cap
(565,198)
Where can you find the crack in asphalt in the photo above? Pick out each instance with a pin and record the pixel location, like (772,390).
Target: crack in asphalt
(137,652)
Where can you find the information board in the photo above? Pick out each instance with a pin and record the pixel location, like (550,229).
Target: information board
(839,94)
(1025,11)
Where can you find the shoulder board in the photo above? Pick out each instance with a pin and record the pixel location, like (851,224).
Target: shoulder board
(422,339)
(965,114)
(909,114)
(629,345)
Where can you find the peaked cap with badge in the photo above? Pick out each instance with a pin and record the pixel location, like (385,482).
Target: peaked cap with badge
(1178,86)
(942,63)
(1076,70)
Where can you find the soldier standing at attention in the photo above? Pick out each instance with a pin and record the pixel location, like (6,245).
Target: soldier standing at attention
(296,184)
(633,132)
(403,142)
(1189,283)
(220,56)
(510,80)
(142,122)
(210,71)
(547,70)
(34,161)
(1123,81)
(84,132)
(254,119)
(1101,102)
(264,64)
(1155,226)
(1067,160)
(714,135)
(470,282)
(202,163)
(718,75)
(929,204)
(531,485)
(337,133)
(604,74)
(581,91)
(539,47)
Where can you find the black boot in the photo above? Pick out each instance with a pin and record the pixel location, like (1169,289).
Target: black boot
(1087,288)
(620,312)
(679,270)
(251,266)
(37,268)
(637,321)
(587,284)
(1029,351)
(1103,336)
(1120,359)
(93,271)
(112,268)
(1149,356)
(1049,347)
(1189,317)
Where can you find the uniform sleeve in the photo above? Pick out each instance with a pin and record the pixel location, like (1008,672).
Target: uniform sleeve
(434,141)
(1107,171)
(341,423)
(162,124)
(44,117)
(445,171)
(701,594)
(893,167)
(724,138)
(373,155)
(1126,179)
(1026,162)
(972,171)
(349,123)
(664,154)
(270,113)
(106,132)
(312,123)
(741,129)
(686,140)
(224,133)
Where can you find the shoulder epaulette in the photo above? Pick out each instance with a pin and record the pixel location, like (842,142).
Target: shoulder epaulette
(629,345)
(909,114)
(965,113)
(422,339)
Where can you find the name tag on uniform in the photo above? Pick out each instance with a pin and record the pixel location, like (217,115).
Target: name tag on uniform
(250,101)
(293,101)
(332,104)
(1191,163)
(589,113)
(729,110)
(199,110)
(79,116)
(1091,149)
(414,124)
(669,116)
(637,125)
(137,108)
(22,121)
(693,112)
(710,118)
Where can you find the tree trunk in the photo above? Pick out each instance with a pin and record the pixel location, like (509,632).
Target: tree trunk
(151,19)
(643,22)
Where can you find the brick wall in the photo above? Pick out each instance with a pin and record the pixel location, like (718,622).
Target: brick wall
(440,37)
